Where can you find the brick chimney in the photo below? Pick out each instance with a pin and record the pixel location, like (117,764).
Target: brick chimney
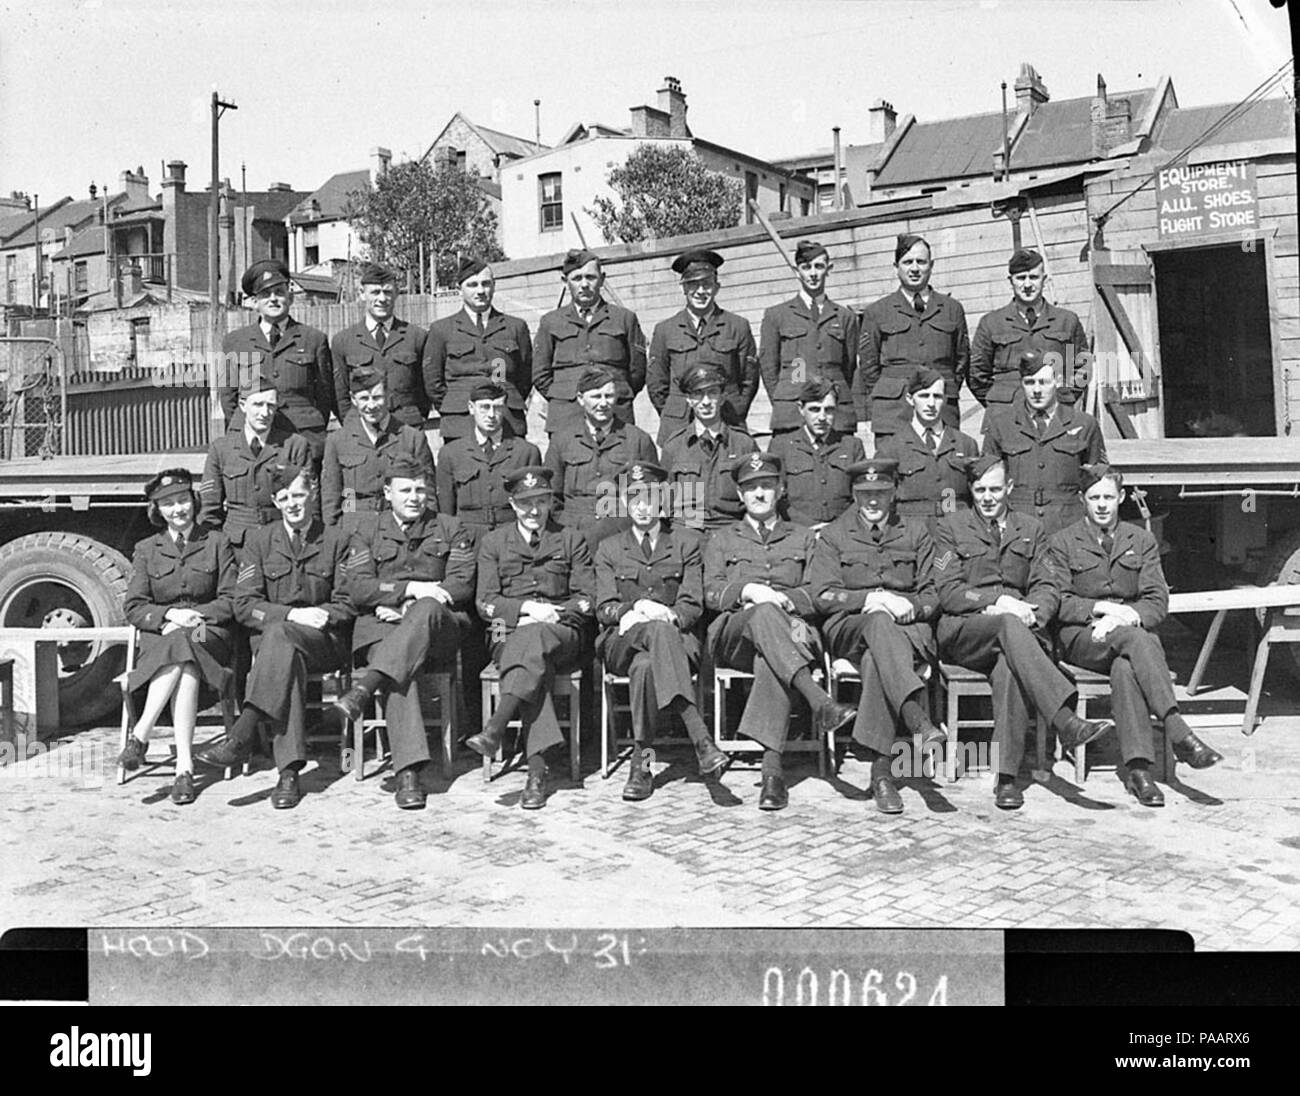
(650,122)
(444,158)
(1031,92)
(1112,121)
(94,191)
(672,102)
(279,188)
(881,119)
(381,159)
(135,183)
(175,177)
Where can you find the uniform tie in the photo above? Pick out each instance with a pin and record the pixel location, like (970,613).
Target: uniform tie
(1031,316)
(534,540)
(1107,543)
(813,311)
(180,542)
(255,446)
(918,304)
(274,336)
(931,440)
(489,447)
(1040,422)
(478,322)
(647,549)
(381,335)
(877,534)
(295,542)
(764,533)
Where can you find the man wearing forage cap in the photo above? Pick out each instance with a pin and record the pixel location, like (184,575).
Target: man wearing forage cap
(293,358)
(810,337)
(587,331)
(914,327)
(384,343)
(700,334)
(817,459)
(477,343)
(1029,322)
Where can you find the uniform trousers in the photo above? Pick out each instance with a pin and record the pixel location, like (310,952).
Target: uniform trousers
(773,645)
(1020,673)
(1139,681)
(659,660)
(277,684)
(528,660)
(428,633)
(886,654)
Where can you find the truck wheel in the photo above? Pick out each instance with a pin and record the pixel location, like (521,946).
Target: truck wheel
(62,574)
(1284,569)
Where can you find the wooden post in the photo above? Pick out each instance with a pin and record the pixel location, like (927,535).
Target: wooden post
(761,218)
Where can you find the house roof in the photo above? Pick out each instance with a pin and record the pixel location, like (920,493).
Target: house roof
(503,144)
(1265,119)
(65,213)
(580,131)
(320,284)
(273,205)
(332,195)
(12,223)
(89,241)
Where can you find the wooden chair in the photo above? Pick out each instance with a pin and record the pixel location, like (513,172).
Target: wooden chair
(1094,686)
(438,688)
(723,679)
(612,707)
(566,687)
(841,673)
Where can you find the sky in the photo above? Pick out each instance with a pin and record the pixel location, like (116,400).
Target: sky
(91,87)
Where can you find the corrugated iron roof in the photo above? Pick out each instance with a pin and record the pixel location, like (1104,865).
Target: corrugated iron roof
(506,143)
(333,194)
(68,214)
(1061,133)
(273,205)
(1265,120)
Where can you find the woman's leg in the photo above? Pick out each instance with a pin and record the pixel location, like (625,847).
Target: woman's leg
(161,687)
(185,710)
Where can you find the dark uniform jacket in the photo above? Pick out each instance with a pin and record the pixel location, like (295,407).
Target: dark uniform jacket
(1003,335)
(736,555)
(272,580)
(974,564)
(829,351)
(399,360)
(457,358)
(565,346)
(558,572)
(471,485)
(585,477)
(672,576)
(896,340)
(1131,575)
(817,484)
(299,366)
(382,559)
(202,577)
(930,484)
(352,473)
(724,341)
(236,487)
(704,494)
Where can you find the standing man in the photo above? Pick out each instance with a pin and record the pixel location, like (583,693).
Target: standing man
(649,596)
(292,596)
(1113,597)
(588,331)
(700,334)
(914,327)
(699,458)
(586,457)
(932,456)
(997,596)
(473,345)
(359,452)
(471,469)
(754,579)
(1045,444)
(294,359)
(817,459)
(807,338)
(872,573)
(536,589)
(1028,323)
(411,578)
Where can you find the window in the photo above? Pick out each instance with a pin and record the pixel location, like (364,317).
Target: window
(310,245)
(552,202)
(139,338)
(80,280)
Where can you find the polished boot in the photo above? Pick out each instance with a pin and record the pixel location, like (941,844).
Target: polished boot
(1076,732)
(410,793)
(1008,797)
(534,797)
(487,742)
(225,754)
(1192,751)
(286,794)
(640,784)
(830,717)
(932,737)
(1144,788)
(888,801)
(773,797)
(353,703)
(710,758)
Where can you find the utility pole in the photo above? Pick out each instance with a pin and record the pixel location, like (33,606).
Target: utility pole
(216,317)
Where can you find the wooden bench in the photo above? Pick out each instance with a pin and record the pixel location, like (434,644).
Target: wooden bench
(35,655)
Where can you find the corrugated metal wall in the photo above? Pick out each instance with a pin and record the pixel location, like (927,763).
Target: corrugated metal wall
(141,419)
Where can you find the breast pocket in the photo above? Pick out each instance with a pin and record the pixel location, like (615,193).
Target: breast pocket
(553,578)
(720,351)
(668,580)
(276,570)
(792,331)
(385,552)
(237,480)
(1016,563)
(628,584)
(1127,575)
(609,348)
(1070,445)
(902,570)
(432,557)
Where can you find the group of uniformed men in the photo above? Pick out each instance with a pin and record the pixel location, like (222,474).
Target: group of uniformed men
(925,548)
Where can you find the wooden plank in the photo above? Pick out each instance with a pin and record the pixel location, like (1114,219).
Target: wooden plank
(1122,274)
(1240,597)
(1117,313)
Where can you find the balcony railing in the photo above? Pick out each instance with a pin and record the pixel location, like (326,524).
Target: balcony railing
(152,268)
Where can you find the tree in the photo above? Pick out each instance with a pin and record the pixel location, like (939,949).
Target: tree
(413,204)
(666,191)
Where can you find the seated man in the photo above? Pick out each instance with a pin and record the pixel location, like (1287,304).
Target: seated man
(817,459)
(932,457)
(649,594)
(699,458)
(871,572)
(754,580)
(1113,596)
(535,590)
(997,596)
(411,576)
(291,595)
(356,454)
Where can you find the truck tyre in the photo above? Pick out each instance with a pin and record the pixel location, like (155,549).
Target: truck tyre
(1284,569)
(49,571)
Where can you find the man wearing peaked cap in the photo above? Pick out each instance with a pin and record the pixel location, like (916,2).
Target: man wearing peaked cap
(293,358)
(478,343)
(587,331)
(386,344)
(411,578)
(810,337)
(536,590)
(817,458)
(1029,322)
(914,327)
(700,334)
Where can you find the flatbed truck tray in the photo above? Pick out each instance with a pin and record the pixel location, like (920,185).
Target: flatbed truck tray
(1190,462)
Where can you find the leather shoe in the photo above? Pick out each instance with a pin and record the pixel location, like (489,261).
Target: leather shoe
(534,797)
(831,717)
(410,795)
(640,784)
(1192,751)
(1079,732)
(1009,797)
(286,794)
(131,757)
(710,758)
(183,789)
(932,737)
(773,797)
(225,754)
(888,801)
(353,703)
(1142,786)
(486,742)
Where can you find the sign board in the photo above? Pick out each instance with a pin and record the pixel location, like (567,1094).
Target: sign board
(1207,199)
